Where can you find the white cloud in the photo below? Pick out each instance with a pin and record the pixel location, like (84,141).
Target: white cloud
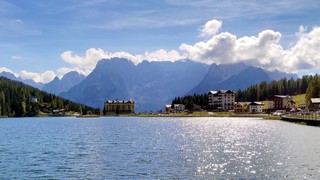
(305,53)
(43,77)
(211,28)
(88,62)
(16,57)
(37,77)
(4,69)
(162,55)
(64,70)
(219,49)
(263,50)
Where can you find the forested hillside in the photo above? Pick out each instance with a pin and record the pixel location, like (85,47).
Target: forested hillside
(307,84)
(16,101)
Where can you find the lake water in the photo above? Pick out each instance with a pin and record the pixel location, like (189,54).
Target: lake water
(157,148)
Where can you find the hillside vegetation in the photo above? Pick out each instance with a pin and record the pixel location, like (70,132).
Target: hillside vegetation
(299,99)
(17,100)
(302,90)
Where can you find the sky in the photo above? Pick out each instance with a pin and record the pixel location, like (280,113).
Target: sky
(43,39)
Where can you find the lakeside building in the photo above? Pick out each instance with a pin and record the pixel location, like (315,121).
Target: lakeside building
(248,107)
(168,108)
(281,102)
(119,107)
(179,107)
(256,107)
(241,107)
(315,104)
(222,100)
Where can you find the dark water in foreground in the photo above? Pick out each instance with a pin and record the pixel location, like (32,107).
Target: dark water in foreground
(157,148)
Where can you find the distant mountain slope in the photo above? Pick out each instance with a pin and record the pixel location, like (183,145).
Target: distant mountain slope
(247,77)
(57,86)
(277,75)
(104,83)
(153,84)
(216,75)
(27,81)
(236,76)
(150,84)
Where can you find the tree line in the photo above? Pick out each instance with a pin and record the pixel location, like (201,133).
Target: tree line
(15,101)
(307,84)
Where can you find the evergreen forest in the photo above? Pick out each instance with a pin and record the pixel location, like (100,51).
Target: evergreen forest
(17,100)
(308,84)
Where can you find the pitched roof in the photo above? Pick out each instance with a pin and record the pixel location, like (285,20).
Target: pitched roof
(281,96)
(256,103)
(221,91)
(243,103)
(315,100)
(119,101)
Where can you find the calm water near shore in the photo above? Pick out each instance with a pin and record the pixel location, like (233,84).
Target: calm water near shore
(157,148)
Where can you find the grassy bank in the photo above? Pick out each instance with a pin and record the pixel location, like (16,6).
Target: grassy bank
(208,114)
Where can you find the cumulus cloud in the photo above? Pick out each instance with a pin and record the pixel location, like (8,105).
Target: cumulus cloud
(4,69)
(219,49)
(162,55)
(88,62)
(211,28)
(305,53)
(38,77)
(263,50)
(64,70)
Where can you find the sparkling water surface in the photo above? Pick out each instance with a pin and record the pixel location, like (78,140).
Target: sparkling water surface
(157,148)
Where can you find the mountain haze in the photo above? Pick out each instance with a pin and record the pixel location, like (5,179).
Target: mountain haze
(153,84)
(150,84)
(57,86)
(29,82)
(236,76)
(216,75)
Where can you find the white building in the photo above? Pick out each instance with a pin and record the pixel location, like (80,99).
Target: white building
(179,107)
(222,100)
(256,107)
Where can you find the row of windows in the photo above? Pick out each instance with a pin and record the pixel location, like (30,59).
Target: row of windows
(123,107)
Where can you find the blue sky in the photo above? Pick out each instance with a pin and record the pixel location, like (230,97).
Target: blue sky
(41,39)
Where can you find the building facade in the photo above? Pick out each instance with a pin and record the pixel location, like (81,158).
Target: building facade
(241,107)
(256,107)
(119,107)
(315,104)
(179,107)
(222,100)
(281,102)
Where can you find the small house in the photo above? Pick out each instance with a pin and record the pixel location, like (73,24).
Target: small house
(256,107)
(179,107)
(241,107)
(315,104)
(168,108)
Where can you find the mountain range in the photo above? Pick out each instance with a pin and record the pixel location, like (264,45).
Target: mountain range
(25,81)
(150,84)
(153,84)
(57,86)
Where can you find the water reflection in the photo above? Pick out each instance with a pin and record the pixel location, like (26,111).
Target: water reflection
(164,148)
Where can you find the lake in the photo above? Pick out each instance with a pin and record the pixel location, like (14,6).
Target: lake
(157,148)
